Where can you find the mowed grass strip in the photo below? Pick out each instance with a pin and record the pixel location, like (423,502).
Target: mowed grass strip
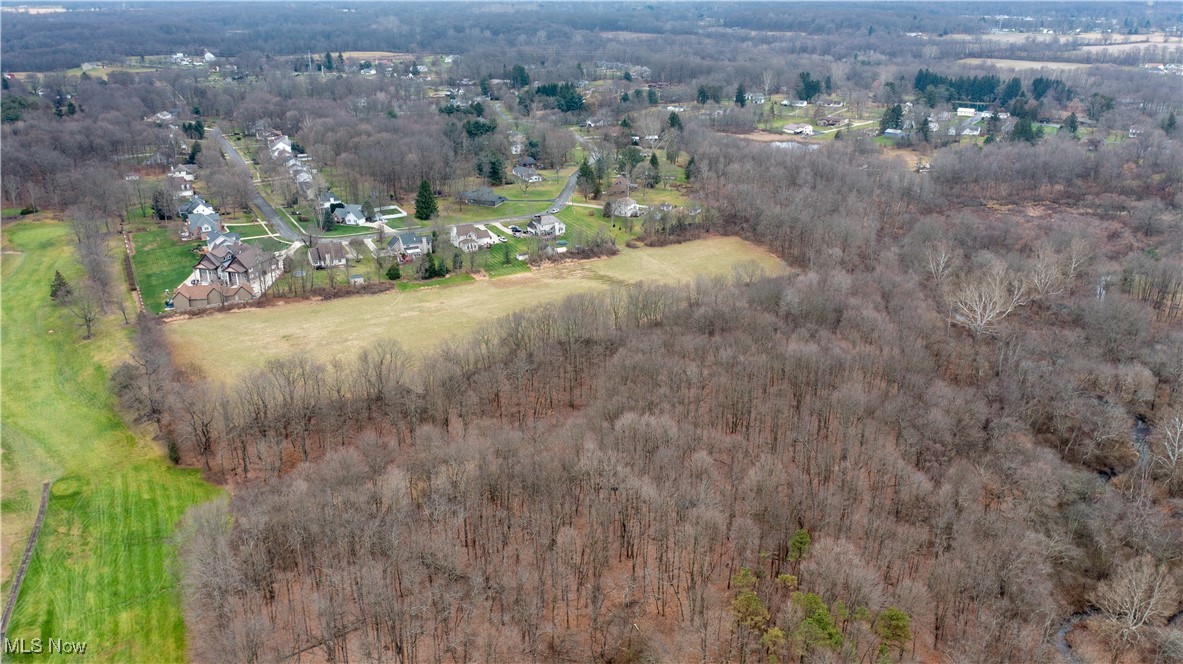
(100,573)
(161,261)
(421,318)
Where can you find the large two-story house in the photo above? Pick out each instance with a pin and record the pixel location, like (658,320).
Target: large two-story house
(469,238)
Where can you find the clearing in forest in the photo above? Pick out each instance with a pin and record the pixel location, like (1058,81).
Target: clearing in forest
(100,572)
(420,319)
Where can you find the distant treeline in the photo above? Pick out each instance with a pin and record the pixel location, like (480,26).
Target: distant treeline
(112,33)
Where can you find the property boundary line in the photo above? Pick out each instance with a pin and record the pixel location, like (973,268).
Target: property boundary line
(15,592)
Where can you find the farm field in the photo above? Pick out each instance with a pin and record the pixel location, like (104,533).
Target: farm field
(420,319)
(1023,64)
(100,573)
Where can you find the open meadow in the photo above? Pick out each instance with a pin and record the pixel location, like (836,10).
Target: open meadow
(100,572)
(420,319)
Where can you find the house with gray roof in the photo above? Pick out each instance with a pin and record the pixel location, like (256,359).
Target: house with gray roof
(482,196)
(409,246)
(350,215)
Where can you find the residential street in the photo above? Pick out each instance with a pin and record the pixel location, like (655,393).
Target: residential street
(276,220)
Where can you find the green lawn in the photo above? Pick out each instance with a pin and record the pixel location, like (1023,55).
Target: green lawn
(450,212)
(161,261)
(101,572)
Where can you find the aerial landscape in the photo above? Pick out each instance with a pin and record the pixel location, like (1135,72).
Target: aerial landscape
(439,332)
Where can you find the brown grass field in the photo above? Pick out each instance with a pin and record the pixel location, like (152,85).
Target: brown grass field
(420,319)
(1023,64)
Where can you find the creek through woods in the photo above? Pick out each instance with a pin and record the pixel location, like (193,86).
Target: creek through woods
(1139,435)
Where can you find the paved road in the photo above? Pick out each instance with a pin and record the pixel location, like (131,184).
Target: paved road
(273,217)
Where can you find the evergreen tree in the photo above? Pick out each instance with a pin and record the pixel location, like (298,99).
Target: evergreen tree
(59,289)
(496,171)
(1170,124)
(690,170)
(393,272)
(741,96)
(807,87)
(624,98)
(328,63)
(893,118)
(586,180)
(675,121)
(425,205)
(703,95)
(1072,124)
(1013,90)
(193,152)
(652,98)
(653,160)
(328,222)
(627,76)
(1024,131)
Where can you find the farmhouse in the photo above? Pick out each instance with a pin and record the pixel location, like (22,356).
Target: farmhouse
(350,215)
(470,238)
(482,196)
(546,225)
(799,129)
(328,254)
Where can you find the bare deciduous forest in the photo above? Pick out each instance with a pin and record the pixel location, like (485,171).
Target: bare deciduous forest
(953,432)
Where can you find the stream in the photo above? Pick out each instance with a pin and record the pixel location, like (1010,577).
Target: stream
(1138,436)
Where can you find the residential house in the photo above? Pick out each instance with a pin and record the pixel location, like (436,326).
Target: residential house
(350,215)
(408,246)
(327,254)
(482,196)
(624,207)
(201,225)
(200,296)
(180,186)
(470,238)
(972,130)
(235,265)
(546,225)
(280,147)
(799,129)
(197,205)
(526,173)
(756,97)
(217,238)
(894,133)
(527,161)
(964,112)
(328,199)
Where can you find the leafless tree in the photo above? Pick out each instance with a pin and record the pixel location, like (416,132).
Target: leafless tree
(987,296)
(1138,595)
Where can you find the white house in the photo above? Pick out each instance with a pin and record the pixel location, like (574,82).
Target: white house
(526,173)
(799,129)
(625,207)
(280,147)
(546,225)
(470,238)
(209,57)
(964,112)
(350,215)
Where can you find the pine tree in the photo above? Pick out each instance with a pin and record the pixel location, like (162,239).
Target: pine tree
(496,171)
(328,64)
(60,289)
(1170,124)
(652,97)
(690,170)
(425,205)
(393,273)
(741,96)
(675,121)
(1072,123)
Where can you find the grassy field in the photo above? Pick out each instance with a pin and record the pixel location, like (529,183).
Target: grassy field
(161,261)
(101,569)
(1023,64)
(420,319)
(451,212)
